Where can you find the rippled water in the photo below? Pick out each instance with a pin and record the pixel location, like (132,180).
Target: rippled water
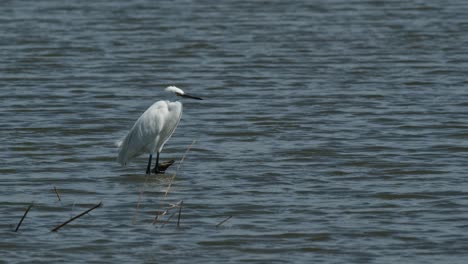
(332,131)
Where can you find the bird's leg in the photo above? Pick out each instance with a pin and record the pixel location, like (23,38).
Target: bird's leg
(148,169)
(156,167)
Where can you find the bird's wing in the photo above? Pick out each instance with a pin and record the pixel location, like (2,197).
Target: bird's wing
(142,134)
(152,129)
(170,119)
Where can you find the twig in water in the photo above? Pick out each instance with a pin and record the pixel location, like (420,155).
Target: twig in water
(178,167)
(22,218)
(58,195)
(165,212)
(169,219)
(180,211)
(156,218)
(74,218)
(222,222)
(139,200)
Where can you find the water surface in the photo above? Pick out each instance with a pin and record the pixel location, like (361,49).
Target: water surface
(332,131)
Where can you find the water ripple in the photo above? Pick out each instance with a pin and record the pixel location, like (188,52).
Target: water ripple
(330,131)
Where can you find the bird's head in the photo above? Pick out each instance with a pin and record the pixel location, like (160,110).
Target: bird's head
(181,93)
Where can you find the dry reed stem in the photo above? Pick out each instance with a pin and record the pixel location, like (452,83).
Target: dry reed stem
(156,219)
(171,206)
(76,217)
(169,219)
(180,211)
(135,216)
(161,213)
(58,195)
(178,167)
(222,222)
(22,218)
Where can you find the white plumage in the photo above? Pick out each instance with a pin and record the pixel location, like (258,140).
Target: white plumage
(152,130)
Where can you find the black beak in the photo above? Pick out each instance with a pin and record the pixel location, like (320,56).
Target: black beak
(190,96)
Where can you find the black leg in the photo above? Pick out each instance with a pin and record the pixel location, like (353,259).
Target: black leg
(148,169)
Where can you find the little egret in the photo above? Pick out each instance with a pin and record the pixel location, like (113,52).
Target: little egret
(152,130)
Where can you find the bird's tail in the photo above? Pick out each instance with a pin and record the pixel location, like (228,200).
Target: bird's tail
(119,143)
(122,157)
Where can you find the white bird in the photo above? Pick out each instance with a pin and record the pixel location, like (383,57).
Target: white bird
(152,130)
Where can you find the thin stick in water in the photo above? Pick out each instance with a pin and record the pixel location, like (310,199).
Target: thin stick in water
(22,218)
(135,216)
(180,211)
(169,219)
(178,167)
(165,212)
(74,218)
(58,195)
(222,222)
(156,218)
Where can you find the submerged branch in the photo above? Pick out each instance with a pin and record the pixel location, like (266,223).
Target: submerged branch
(222,222)
(76,217)
(22,218)
(58,195)
(156,218)
(165,212)
(180,211)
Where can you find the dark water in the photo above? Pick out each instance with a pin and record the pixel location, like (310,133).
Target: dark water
(332,131)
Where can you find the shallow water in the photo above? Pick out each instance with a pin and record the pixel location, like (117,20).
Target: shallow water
(331,131)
